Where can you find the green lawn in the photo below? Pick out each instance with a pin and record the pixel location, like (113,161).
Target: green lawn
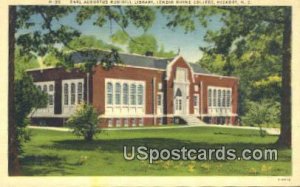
(61,153)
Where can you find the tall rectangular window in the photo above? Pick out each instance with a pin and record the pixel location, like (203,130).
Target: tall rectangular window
(209,97)
(196,100)
(219,98)
(73,93)
(228,99)
(159,100)
(132,94)
(109,88)
(140,94)
(223,98)
(125,94)
(214,97)
(66,94)
(79,93)
(118,94)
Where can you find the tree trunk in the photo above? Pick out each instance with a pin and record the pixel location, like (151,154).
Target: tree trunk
(285,136)
(13,161)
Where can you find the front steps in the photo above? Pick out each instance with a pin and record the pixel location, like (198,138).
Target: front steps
(192,120)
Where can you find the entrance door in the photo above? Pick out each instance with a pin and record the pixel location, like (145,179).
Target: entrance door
(178,102)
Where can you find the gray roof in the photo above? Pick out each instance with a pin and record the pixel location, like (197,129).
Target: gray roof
(138,61)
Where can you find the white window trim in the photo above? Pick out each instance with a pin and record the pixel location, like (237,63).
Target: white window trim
(219,110)
(49,109)
(73,106)
(129,105)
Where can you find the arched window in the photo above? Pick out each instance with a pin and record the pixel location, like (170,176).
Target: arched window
(178,93)
(109,93)
(118,94)
(39,87)
(209,98)
(223,98)
(51,88)
(140,94)
(73,94)
(219,98)
(45,88)
(132,94)
(125,94)
(214,97)
(66,94)
(79,93)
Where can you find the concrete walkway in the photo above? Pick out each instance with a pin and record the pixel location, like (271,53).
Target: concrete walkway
(270,131)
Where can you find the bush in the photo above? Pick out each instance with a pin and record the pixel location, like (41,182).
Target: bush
(263,112)
(84,122)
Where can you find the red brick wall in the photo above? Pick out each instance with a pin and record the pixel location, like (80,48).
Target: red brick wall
(218,81)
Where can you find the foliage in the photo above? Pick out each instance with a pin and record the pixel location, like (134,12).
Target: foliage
(22,63)
(89,42)
(84,122)
(25,91)
(141,44)
(259,113)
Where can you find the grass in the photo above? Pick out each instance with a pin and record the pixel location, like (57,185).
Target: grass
(61,153)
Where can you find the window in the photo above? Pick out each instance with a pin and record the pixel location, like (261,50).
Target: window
(51,95)
(196,100)
(228,99)
(125,122)
(214,97)
(125,94)
(160,121)
(219,98)
(66,94)
(223,98)
(109,123)
(160,86)
(196,88)
(132,94)
(140,95)
(50,100)
(109,93)
(140,122)
(79,93)
(73,94)
(134,122)
(118,123)
(209,97)
(45,88)
(39,87)
(51,88)
(159,100)
(118,94)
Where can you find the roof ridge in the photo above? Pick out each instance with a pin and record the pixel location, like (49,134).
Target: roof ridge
(122,53)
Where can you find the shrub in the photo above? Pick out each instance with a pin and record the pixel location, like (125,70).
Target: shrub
(84,122)
(263,112)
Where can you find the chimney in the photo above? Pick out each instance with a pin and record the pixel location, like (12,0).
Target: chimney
(149,53)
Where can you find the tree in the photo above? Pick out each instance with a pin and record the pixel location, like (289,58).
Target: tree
(238,24)
(25,90)
(46,38)
(84,122)
(259,113)
(141,44)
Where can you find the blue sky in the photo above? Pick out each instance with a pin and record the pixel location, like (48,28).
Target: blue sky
(188,43)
